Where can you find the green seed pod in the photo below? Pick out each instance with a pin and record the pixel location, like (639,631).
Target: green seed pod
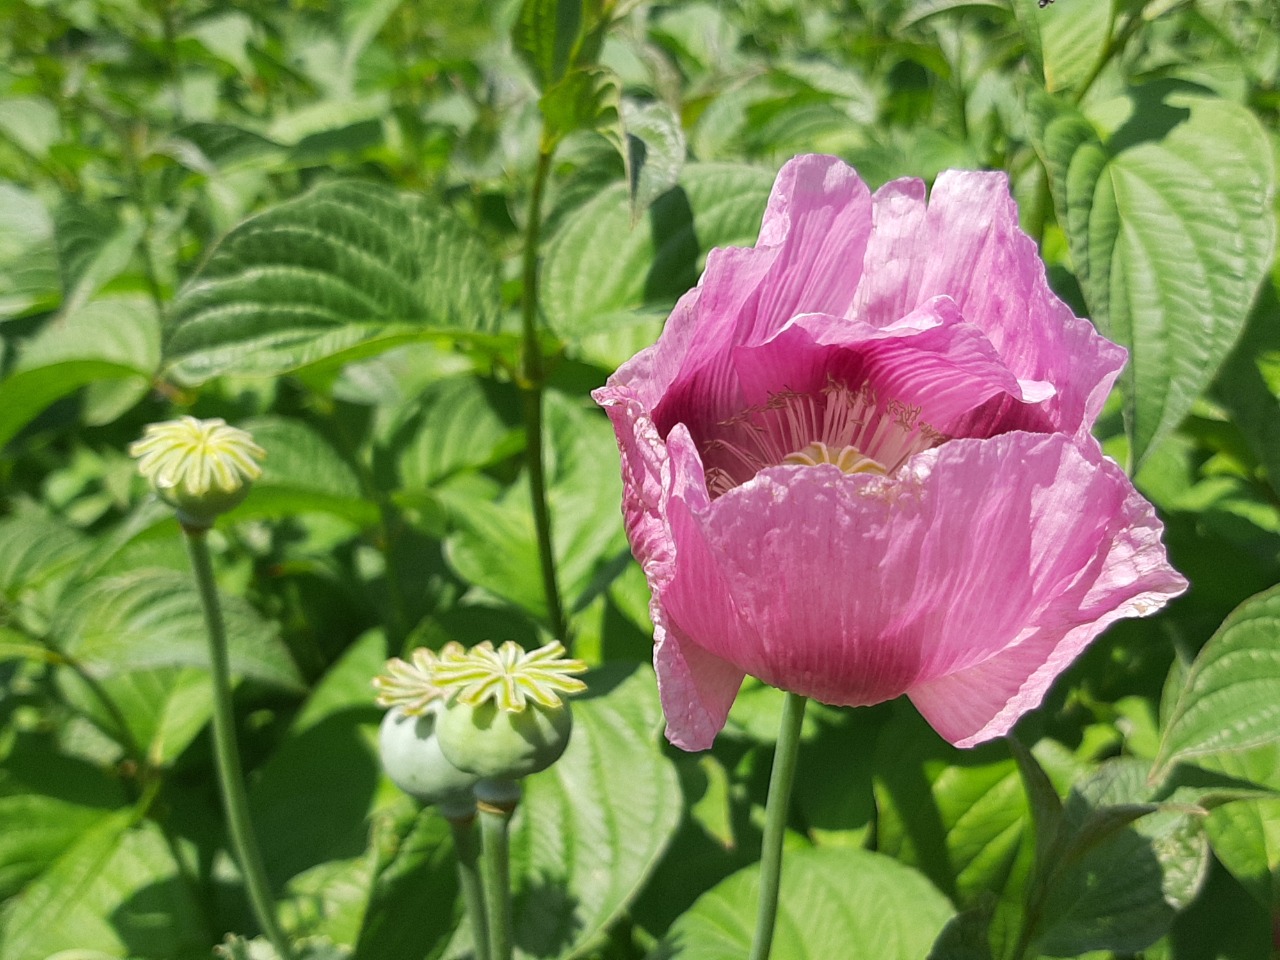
(202,467)
(412,758)
(493,743)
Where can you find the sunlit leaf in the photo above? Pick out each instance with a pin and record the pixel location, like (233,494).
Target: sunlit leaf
(654,152)
(95,244)
(1171,230)
(117,888)
(833,903)
(151,618)
(1231,700)
(116,339)
(600,270)
(344,270)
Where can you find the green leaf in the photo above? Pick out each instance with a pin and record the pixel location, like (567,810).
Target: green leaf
(117,888)
(584,99)
(415,865)
(956,815)
(545,34)
(1072,37)
(95,244)
(590,829)
(495,547)
(654,154)
(833,903)
(346,270)
(600,271)
(35,550)
(456,424)
(30,123)
(165,708)
(1104,884)
(104,340)
(1171,230)
(1231,700)
(302,473)
(1249,382)
(151,618)
(1246,835)
(47,800)
(28,261)
(965,937)
(330,751)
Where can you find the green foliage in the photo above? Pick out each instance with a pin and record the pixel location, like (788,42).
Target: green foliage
(1231,700)
(834,902)
(1170,225)
(344,270)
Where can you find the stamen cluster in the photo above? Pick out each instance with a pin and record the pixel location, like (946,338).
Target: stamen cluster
(856,430)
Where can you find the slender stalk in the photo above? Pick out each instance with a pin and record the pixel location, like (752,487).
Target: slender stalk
(532,381)
(775,823)
(227,753)
(495,868)
(466,847)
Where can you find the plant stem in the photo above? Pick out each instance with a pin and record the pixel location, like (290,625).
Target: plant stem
(532,380)
(495,867)
(227,753)
(467,849)
(775,822)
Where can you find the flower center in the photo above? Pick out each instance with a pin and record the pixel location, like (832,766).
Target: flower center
(848,459)
(856,430)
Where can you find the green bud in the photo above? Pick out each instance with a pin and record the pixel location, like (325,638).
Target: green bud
(485,740)
(412,758)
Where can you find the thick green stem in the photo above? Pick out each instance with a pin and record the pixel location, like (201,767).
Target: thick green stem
(775,823)
(466,847)
(226,751)
(532,381)
(495,867)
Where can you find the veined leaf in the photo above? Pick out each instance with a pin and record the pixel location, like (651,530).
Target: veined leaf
(345,270)
(1231,700)
(104,340)
(495,546)
(1171,229)
(654,153)
(151,618)
(833,903)
(584,99)
(117,888)
(600,270)
(302,472)
(545,35)
(94,245)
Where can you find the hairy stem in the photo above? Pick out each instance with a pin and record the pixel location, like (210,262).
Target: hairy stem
(235,803)
(775,823)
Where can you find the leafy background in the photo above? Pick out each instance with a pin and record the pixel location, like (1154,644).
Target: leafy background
(308,217)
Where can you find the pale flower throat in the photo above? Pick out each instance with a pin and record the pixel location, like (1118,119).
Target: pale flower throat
(854,430)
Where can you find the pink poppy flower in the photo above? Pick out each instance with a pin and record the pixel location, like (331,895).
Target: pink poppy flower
(857,464)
